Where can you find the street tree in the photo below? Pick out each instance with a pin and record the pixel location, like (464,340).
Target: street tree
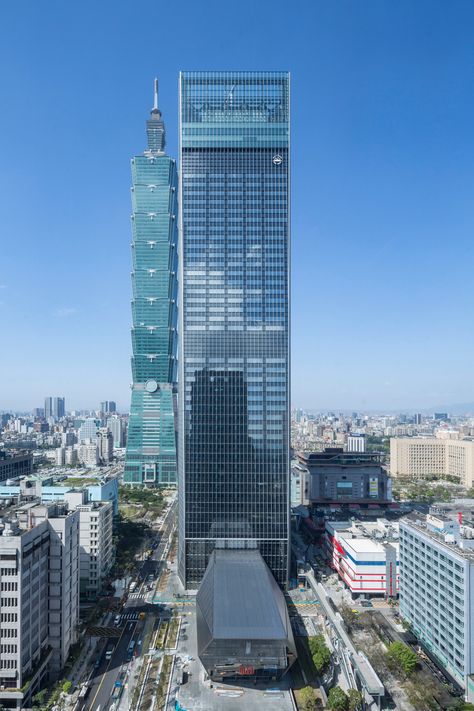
(402,656)
(337,699)
(355,699)
(307,699)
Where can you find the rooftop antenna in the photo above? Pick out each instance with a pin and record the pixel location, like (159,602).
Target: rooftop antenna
(155,109)
(155,127)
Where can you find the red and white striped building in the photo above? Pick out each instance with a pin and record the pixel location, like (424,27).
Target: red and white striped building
(366,565)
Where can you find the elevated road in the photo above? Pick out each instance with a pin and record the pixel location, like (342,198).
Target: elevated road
(369,680)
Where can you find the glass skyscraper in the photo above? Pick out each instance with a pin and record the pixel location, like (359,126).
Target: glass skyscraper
(234,318)
(151,442)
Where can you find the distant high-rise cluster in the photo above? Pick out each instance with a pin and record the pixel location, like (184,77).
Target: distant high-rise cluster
(54,407)
(108,407)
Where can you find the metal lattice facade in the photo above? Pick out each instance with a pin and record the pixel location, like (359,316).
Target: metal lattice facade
(234,318)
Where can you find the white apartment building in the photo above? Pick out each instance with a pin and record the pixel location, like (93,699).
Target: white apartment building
(60,456)
(419,457)
(356,443)
(437,588)
(63,606)
(39,601)
(116,426)
(88,430)
(105,445)
(88,454)
(71,456)
(97,554)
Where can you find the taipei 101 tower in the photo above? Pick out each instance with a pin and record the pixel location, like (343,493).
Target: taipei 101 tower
(151,442)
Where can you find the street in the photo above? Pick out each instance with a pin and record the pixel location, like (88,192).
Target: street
(117,669)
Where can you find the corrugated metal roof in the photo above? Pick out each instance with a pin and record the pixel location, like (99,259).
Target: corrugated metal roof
(240,599)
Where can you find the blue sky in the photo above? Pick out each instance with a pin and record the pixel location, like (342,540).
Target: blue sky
(382,181)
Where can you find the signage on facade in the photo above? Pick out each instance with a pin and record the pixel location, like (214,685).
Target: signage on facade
(246,670)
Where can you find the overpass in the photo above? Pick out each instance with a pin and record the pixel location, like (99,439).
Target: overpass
(369,681)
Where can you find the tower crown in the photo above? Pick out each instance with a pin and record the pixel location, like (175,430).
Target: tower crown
(155,127)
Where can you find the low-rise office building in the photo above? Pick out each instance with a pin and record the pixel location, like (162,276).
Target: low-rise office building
(364,555)
(421,457)
(104,490)
(436,590)
(15,465)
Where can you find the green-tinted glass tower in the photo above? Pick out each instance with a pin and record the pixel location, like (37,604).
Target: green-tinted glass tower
(151,442)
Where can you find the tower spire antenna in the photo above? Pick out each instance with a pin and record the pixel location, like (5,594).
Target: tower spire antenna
(155,127)
(155,95)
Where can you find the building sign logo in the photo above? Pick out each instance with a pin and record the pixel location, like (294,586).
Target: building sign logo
(373,487)
(277,160)
(246,670)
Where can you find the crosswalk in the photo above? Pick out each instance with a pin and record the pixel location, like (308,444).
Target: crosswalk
(176,601)
(134,595)
(99,631)
(308,608)
(129,617)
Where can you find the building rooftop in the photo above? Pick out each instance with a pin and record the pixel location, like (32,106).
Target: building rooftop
(379,531)
(240,599)
(460,543)
(365,545)
(337,456)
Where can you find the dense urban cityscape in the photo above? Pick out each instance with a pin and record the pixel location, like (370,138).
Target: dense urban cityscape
(212,544)
(381,563)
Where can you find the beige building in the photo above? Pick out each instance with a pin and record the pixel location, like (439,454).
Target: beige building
(39,598)
(96,545)
(420,457)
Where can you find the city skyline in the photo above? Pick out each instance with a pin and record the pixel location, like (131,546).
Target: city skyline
(382,211)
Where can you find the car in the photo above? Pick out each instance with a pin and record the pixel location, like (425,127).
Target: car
(117,619)
(366,603)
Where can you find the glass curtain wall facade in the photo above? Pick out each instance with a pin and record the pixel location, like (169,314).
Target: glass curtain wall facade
(151,442)
(234,318)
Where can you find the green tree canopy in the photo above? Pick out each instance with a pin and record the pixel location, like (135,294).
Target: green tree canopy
(307,699)
(337,699)
(355,699)
(402,656)
(320,653)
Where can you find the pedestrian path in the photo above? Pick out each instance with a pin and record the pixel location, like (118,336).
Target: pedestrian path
(134,595)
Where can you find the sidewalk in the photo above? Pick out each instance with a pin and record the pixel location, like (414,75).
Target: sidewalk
(81,666)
